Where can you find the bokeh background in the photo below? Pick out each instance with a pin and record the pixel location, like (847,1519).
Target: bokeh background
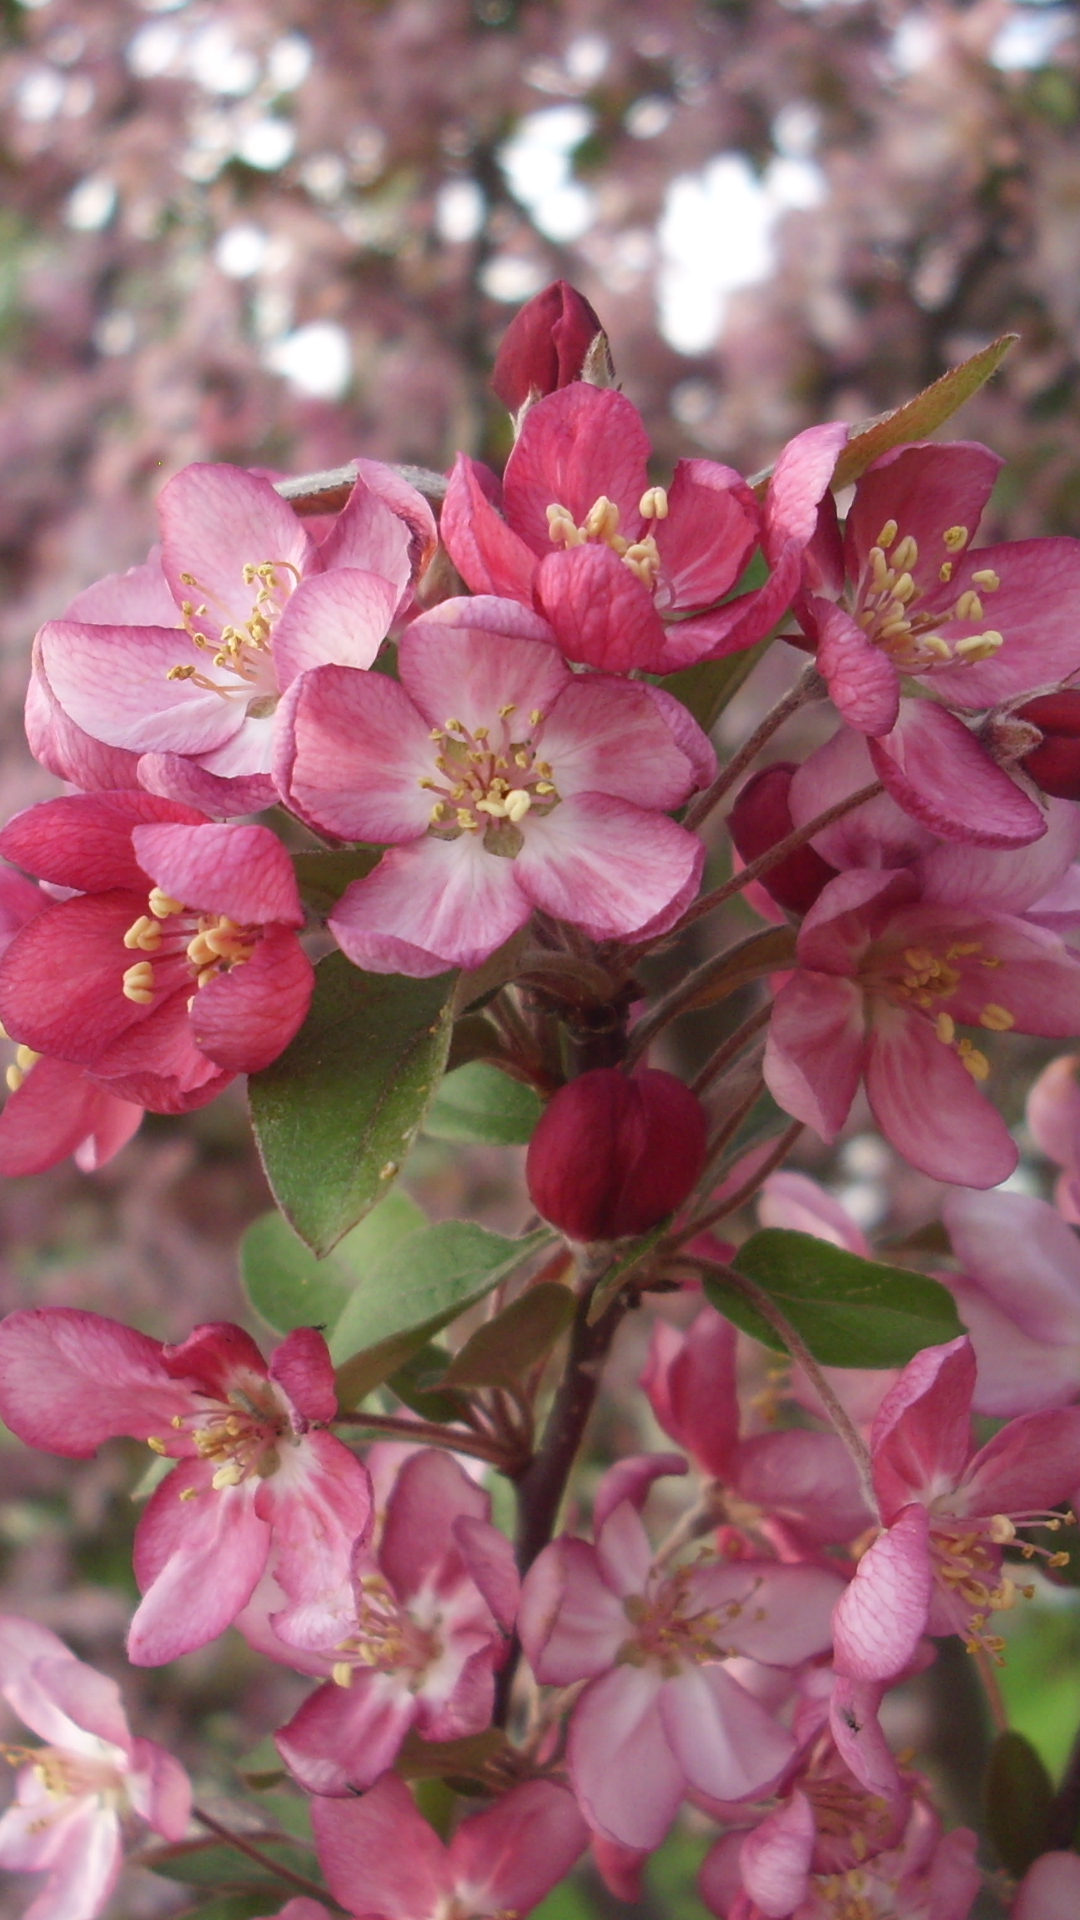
(285,232)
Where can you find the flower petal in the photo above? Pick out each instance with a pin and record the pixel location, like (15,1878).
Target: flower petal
(428,906)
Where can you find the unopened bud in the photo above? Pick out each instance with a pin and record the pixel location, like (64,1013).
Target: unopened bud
(1054,764)
(759,819)
(614,1153)
(554,340)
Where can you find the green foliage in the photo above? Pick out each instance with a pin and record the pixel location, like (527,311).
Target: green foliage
(502,1351)
(1019,1796)
(322,876)
(850,1312)
(288,1287)
(629,1256)
(706,687)
(336,1114)
(480,1105)
(921,416)
(420,1286)
(225,1869)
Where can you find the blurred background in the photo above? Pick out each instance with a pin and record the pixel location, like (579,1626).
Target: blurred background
(286,232)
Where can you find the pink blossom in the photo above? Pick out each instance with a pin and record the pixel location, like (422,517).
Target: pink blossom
(260,1481)
(1018,1294)
(663,1714)
(883,984)
(503,783)
(183,663)
(1049,1890)
(410,1638)
(1053,1115)
(947,1511)
(916,598)
(554,339)
(175,966)
(578,532)
(383,1862)
(73,1794)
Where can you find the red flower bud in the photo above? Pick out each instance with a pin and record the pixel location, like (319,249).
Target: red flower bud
(613,1153)
(1054,764)
(547,345)
(760,817)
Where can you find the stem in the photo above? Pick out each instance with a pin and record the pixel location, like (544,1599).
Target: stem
(764,1304)
(809,686)
(772,858)
(733,1045)
(992,1689)
(329,491)
(733,1119)
(750,1186)
(474,1443)
(265,1860)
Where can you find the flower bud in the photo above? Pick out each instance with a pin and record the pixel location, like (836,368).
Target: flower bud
(613,1153)
(760,817)
(1054,764)
(555,339)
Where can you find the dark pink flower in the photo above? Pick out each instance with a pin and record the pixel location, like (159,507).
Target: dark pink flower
(73,1794)
(383,1862)
(411,1637)
(259,1475)
(759,819)
(577,531)
(503,782)
(615,1152)
(183,663)
(175,966)
(549,343)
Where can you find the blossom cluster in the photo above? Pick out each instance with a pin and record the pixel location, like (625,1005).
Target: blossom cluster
(513,774)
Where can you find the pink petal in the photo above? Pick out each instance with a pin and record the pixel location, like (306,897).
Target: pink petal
(319,1504)
(690,1383)
(219,796)
(113,682)
(627,1780)
(1032,1464)
(631,1479)
(877,834)
(881,1618)
(69,1380)
(89,1700)
(1016,1373)
(157,1064)
(1001,1239)
(600,611)
(935,769)
(244,872)
(431,905)
(507,1859)
(862,679)
(929,1107)
(814,1052)
(489,556)
(922,1431)
(1053,1111)
(775,1857)
(380,1856)
(215,520)
(467,671)
(726,1743)
(778,1614)
(689,738)
(245,1018)
(338,618)
(1009,879)
(807,1480)
(1034,608)
(850,912)
(85,1855)
(59,1110)
(576,445)
(353,753)
(794,1200)
(370,536)
(712,527)
(197,1563)
(800,478)
(610,736)
(570,1622)
(66,749)
(160,1789)
(303,1369)
(31,1659)
(343,1738)
(623,1552)
(1050,1889)
(606,865)
(925,488)
(138,598)
(85,840)
(430,1494)
(856,1729)
(489,1558)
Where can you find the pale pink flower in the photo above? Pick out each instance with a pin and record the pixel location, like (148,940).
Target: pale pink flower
(177,963)
(663,1714)
(74,1794)
(948,1511)
(183,663)
(410,1638)
(260,1482)
(1049,1890)
(503,783)
(1018,1294)
(1053,1115)
(383,1862)
(577,531)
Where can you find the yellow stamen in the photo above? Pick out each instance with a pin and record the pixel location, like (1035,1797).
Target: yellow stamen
(653,504)
(906,554)
(162,905)
(980,646)
(138,983)
(945,1028)
(341,1673)
(969,606)
(955,538)
(996,1018)
(987,579)
(887,535)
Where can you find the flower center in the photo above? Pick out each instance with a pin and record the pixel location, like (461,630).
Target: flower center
(488,786)
(25,1058)
(965,1555)
(242,653)
(65,1775)
(206,943)
(241,1435)
(666,1631)
(387,1637)
(886,605)
(602,523)
(918,979)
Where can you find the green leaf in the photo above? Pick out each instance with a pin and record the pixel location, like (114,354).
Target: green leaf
(919,417)
(289,1287)
(503,1349)
(1019,1798)
(336,1114)
(222,1868)
(416,1291)
(478,1103)
(624,1263)
(322,877)
(419,1383)
(469,1758)
(706,687)
(850,1312)
(233,1906)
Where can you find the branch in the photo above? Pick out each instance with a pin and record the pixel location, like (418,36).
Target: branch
(434,1436)
(265,1860)
(809,686)
(329,491)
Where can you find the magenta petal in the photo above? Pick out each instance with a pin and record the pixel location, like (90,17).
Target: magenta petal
(877,834)
(302,1367)
(924,488)
(576,445)
(59,1110)
(814,1053)
(612,736)
(626,1778)
(220,796)
(881,1618)
(338,618)
(860,1742)
(431,1493)
(342,1738)
(507,1859)
(489,1558)
(66,749)
(368,534)
(215,520)
(779,1614)
(922,1431)
(243,1019)
(570,1621)
(726,1743)
(457,664)
(600,611)
(353,752)
(863,682)
(379,1855)
(197,1562)
(712,527)
(69,1380)
(114,683)
(138,598)
(1050,1889)
(935,769)
(431,905)
(1032,1464)
(85,840)
(606,865)
(489,556)
(1019,1252)
(632,1478)
(32,1674)
(241,871)
(800,479)
(1035,608)
(929,1107)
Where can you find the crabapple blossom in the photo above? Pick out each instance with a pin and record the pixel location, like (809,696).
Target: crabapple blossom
(554,339)
(948,1511)
(1018,1294)
(411,1637)
(614,1152)
(1053,1116)
(179,955)
(260,1482)
(74,1794)
(759,819)
(1054,763)
(663,1714)
(503,784)
(383,1862)
(1049,1890)
(184,664)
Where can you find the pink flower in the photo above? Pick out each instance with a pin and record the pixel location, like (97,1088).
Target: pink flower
(1050,1889)
(985,624)
(614,1152)
(663,1714)
(947,1511)
(259,1476)
(1053,1115)
(175,966)
(884,981)
(554,339)
(411,1638)
(503,782)
(577,531)
(1018,1294)
(73,1794)
(382,1861)
(184,664)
